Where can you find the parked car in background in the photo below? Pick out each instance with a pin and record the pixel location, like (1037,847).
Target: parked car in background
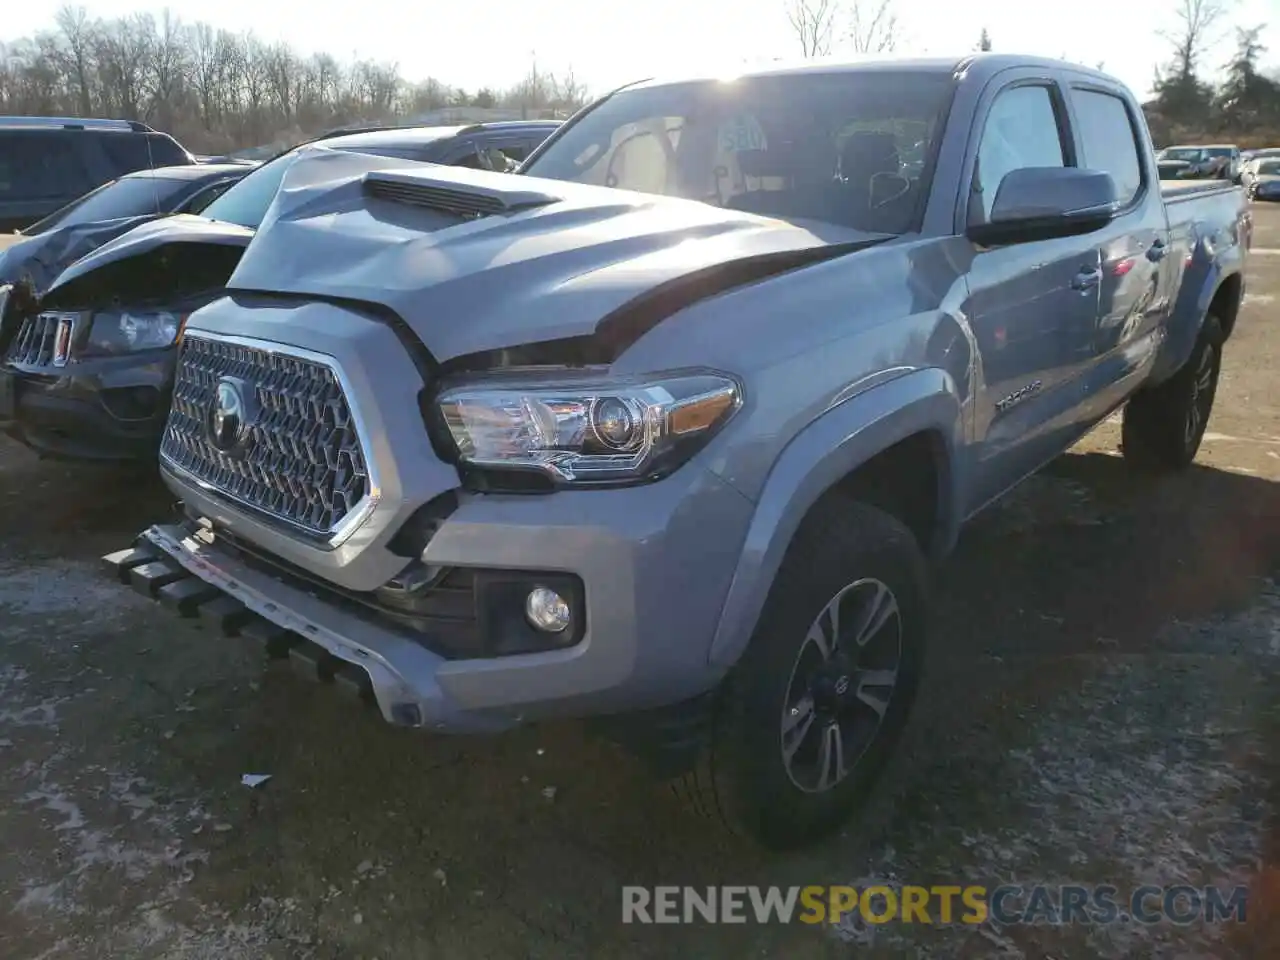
(1217,162)
(1262,179)
(665,430)
(48,246)
(47,162)
(88,373)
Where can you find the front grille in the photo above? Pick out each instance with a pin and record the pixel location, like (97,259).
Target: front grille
(36,342)
(299,459)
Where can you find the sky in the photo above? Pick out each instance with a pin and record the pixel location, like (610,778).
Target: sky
(477,43)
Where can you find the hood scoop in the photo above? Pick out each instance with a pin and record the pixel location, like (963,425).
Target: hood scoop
(465,200)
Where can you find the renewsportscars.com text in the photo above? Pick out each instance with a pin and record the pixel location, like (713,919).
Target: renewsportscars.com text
(1008,905)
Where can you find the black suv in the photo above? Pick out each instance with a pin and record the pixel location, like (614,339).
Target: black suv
(46,162)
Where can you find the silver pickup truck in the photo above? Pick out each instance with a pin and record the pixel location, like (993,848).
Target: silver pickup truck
(667,430)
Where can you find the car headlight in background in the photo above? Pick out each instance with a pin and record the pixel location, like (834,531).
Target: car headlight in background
(589,429)
(126,331)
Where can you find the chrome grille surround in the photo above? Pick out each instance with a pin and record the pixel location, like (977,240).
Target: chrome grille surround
(304,463)
(36,343)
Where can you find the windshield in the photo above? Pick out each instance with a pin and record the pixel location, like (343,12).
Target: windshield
(126,197)
(1183,153)
(1269,168)
(246,202)
(857,154)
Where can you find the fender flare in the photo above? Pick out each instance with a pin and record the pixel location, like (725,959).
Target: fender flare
(1227,263)
(828,449)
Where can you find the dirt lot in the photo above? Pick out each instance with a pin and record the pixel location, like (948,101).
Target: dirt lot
(1102,708)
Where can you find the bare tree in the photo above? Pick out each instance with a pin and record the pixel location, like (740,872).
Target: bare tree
(79,35)
(1193,33)
(123,54)
(873,26)
(217,90)
(169,67)
(813,22)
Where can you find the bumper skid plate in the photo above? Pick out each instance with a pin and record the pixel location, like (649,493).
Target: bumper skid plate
(157,577)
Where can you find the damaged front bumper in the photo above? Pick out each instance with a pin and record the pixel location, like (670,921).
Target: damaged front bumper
(171,564)
(647,620)
(109,408)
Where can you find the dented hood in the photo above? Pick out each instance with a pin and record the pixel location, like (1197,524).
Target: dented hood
(475,261)
(149,237)
(38,260)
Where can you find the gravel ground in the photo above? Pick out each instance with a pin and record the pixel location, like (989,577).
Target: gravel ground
(1101,708)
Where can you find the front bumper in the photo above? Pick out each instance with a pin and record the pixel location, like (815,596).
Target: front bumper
(655,563)
(111,408)
(651,564)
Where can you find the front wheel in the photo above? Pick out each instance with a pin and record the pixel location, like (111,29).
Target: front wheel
(809,716)
(1164,425)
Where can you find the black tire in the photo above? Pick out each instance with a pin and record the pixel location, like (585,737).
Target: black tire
(743,777)
(1163,425)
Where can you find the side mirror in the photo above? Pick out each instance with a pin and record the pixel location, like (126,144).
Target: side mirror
(1042,203)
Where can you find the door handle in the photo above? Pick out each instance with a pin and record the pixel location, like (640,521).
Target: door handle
(1157,250)
(1087,279)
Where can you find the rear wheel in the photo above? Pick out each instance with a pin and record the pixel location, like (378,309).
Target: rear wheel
(813,710)
(1164,425)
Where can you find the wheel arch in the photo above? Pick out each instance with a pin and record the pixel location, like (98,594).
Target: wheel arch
(872,447)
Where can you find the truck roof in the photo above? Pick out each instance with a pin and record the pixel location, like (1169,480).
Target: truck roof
(981,64)
(415,135)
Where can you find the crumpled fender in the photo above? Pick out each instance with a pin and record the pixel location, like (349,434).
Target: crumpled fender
(37,261)
(197,253)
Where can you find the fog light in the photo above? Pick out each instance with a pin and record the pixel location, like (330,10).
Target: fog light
(547,610)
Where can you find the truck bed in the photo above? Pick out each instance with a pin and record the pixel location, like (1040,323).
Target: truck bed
(1175,191)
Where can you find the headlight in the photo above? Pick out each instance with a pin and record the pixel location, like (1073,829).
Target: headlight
(125,331)
(588,429)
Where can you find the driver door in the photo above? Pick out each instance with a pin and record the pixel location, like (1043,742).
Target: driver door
(1033,306)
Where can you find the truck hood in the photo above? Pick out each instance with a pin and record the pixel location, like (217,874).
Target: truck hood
(475,261)
(38,260)
(163,261)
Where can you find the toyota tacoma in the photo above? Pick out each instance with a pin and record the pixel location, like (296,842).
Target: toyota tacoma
(669,430)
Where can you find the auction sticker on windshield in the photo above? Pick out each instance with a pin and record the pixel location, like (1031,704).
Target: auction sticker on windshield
(743,132)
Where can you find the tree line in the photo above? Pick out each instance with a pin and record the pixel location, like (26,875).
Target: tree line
(1242,107)
(218,90)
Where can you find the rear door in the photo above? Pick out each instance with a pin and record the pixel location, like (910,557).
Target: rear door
(41,171)
(1033,306)
(1137,272)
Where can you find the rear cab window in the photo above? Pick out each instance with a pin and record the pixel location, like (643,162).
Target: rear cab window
(1109,139)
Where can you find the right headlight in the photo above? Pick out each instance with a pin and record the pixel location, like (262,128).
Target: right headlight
(587,428)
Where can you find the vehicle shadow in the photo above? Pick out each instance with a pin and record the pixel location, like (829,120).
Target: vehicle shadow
(76,509)
(548,825)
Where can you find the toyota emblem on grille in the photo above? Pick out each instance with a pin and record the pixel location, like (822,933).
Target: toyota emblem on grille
(229,417)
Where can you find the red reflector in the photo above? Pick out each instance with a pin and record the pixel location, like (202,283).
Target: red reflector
(62,342)
(1122,267)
